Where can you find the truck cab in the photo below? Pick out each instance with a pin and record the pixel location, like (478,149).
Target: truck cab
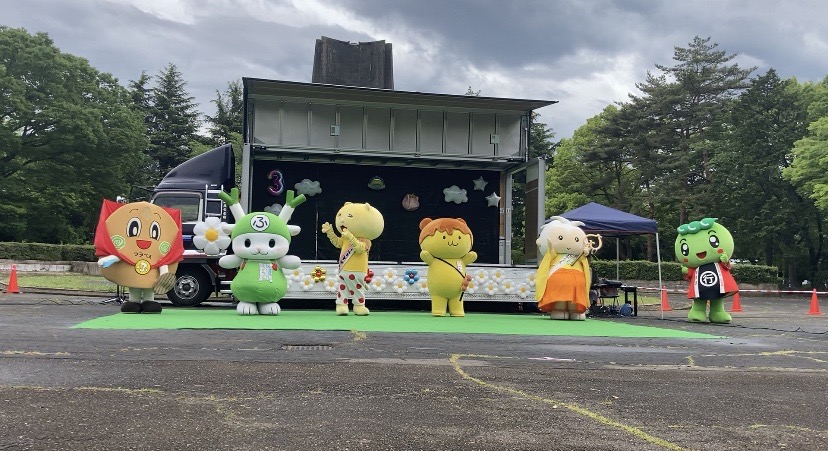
(193,188)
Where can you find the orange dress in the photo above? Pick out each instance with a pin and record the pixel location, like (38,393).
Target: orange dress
(565,285)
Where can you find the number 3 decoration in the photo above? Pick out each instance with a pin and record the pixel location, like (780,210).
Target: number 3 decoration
(277,182)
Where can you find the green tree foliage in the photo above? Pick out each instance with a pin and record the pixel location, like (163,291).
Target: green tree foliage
(226,125)
(675,114)
(566,180)
(229,115)
(749,193)
(68,138)
(595,165)
(173,121)
(141,95)
(809,170)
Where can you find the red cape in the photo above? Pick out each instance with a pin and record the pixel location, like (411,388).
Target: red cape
(103,241)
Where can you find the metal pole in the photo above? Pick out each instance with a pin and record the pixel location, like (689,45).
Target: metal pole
(658,257)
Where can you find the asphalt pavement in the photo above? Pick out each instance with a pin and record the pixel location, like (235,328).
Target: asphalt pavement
(761,386)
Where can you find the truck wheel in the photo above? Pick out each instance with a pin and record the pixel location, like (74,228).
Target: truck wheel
(192,287)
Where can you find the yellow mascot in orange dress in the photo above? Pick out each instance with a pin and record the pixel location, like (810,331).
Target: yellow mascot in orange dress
(563,278)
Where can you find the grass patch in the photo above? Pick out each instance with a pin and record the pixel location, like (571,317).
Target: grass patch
(415,322)
(647,300)
(62,281)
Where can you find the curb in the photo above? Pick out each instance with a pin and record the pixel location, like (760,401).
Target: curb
(68,292)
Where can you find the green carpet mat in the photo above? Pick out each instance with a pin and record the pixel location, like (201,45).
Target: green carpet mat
(383,321)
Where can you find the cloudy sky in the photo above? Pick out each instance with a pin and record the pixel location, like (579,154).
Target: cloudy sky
(585,54)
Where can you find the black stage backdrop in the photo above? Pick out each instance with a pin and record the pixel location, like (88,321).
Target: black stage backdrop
(342,183)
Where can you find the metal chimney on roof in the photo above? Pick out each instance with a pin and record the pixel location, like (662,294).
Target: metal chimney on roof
(363,64)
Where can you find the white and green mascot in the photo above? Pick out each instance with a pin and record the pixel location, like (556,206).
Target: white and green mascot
(260,242)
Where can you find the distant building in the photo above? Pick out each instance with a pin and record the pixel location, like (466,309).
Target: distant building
(364,64)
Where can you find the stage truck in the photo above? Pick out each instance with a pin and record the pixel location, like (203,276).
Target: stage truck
(411,155)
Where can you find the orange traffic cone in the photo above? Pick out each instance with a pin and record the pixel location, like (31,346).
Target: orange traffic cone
(814,305)
(665,303)
(12,286)
(736,306)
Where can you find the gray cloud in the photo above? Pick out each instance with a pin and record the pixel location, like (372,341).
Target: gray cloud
(585,54)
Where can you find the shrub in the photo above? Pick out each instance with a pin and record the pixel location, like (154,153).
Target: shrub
(46,252)
(78,253)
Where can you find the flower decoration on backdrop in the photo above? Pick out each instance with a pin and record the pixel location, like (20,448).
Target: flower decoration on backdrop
(400,285)
(319,273)
(523,291)
(508,286)
(306,283)
(296,274)
(411,276)
(390,275)
(471,286)
(330,286)
(377,284)
(209,236)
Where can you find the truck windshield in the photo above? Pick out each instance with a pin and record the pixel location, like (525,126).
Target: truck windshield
(189,205)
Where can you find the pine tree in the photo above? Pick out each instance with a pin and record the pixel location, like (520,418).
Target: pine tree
(677,110)
(173,121)
(228,118)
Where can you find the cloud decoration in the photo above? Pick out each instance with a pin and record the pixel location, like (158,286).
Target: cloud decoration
(455,194)
(480,184)
(275,209)
(493,200)
(308,187)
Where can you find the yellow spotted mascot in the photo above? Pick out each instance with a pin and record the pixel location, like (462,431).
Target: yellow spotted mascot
(358,224)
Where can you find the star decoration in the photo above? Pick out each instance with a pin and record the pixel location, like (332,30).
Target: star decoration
(493,200)
(480,184)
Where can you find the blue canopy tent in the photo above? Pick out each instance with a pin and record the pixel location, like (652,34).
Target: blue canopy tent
(610,222)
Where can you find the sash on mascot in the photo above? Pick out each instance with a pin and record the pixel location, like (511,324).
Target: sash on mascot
(464,277)
(569,259)
(345,256)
